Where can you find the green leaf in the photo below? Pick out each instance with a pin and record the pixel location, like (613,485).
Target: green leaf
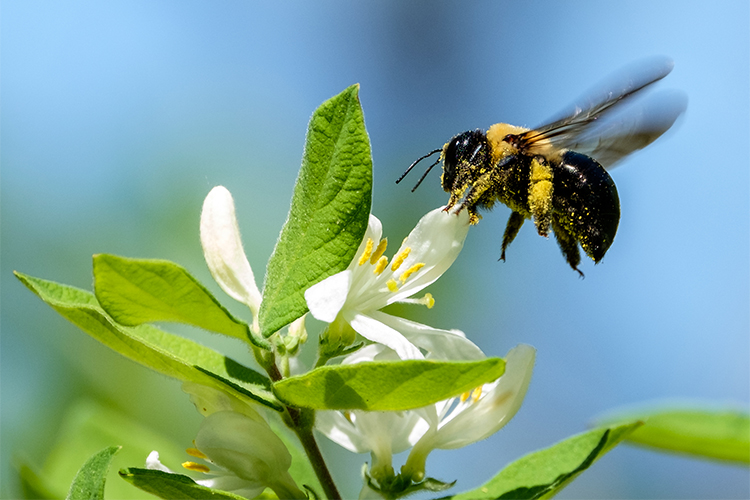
(137,291)
(544,473)
(329,211)
(386,386)
(89,482)
(169,486)
(163,352)
(722,434)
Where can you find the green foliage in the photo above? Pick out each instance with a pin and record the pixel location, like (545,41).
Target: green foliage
(544,473)
(163,352)
(89,482)
(386,386)
(169,486)
(722,434)
(134,291)
(329,211)
(86,428)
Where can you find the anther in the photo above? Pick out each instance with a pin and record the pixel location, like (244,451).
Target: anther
(366,254)
(379,251)
(196,467)
(381,265)
(392,285)
(413,269)
(195,452)
(400,258)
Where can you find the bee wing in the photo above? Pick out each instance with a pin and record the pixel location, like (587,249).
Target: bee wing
(582,125)
(616,136)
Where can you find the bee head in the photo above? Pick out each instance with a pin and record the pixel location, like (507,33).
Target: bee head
(461,153)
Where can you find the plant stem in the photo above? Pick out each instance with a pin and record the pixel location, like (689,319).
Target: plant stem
(302,424)
(310,446)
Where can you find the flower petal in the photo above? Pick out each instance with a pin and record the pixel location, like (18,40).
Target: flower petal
(436,241)
(153,463)
(249,449)
(375,331)
(494,409)
(442,344)
(222,248)
(209,400)
(326,298)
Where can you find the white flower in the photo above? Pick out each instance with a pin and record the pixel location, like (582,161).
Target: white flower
(453,423)
(222,248)
(246,456)
(475,416)
(382,434)
(352,299)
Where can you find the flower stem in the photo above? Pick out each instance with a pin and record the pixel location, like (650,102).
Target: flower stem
(301,422)
(305,434)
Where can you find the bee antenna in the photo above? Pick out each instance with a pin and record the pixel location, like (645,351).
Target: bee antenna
(425,174)
(417,161)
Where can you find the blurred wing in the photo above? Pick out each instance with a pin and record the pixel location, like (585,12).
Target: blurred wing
(615,137)
(600,103)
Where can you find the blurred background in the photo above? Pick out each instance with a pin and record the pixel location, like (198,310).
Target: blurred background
(119,117)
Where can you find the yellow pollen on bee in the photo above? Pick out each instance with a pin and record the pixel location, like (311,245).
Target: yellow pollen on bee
(392,285)
(196,467)
(379,251)
(400,258)
(366,254)
(195,452)
(381,265)
(413,269)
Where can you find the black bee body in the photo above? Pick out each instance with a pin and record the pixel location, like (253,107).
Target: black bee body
(554,174)
(569,192)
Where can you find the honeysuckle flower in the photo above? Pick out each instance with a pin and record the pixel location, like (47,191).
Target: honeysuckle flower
(453,423)
(222,248)
(350,301)
(382,434)
(244,454)
(475,416)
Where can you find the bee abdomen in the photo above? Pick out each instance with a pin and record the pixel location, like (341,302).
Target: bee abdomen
(585,200)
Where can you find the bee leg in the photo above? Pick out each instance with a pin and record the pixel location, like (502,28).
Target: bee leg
(511,230)
(568,244)
(540,194)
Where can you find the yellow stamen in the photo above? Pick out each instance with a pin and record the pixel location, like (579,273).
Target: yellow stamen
(413,269)
(196,467)
(195,452)
(379,251)
(475,394)
(392,285)
(399,259)
(429,301)
(381,265)
(366,254)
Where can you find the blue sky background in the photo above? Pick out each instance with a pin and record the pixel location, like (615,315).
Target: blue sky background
(118,118)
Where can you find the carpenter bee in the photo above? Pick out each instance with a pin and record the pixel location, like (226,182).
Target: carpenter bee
(555,173)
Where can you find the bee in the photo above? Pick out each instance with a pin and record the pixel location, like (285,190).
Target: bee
(555,174)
